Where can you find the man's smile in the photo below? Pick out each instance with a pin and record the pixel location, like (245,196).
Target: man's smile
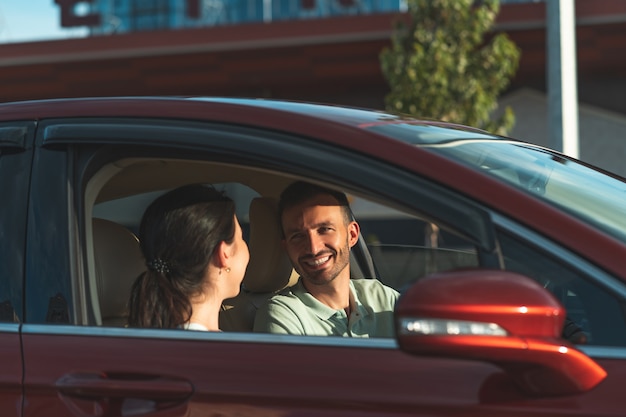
(317,262)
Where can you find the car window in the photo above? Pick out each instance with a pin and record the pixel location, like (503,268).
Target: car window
(578,189)
(596,309)
(402,247)
(405,247)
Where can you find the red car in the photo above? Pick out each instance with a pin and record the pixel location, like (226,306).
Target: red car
(510,259)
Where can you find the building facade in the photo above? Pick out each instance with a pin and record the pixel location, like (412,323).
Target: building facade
(328,55)
(123,16)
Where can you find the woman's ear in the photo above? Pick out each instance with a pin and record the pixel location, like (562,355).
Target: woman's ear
(222,254)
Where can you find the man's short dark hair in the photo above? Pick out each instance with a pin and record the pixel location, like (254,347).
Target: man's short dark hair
(301,191)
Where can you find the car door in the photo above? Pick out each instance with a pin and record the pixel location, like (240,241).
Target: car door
(75,366)
(16,144)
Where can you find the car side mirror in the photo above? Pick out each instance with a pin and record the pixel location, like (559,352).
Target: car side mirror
(499,317)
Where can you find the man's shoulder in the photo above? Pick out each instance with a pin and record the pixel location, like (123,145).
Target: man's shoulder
(371,290)
(285,298)
(281,313)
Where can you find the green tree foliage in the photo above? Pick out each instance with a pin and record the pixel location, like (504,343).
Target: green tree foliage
(445,63)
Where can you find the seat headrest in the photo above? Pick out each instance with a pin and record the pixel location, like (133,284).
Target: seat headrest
(118,262)
(269,269)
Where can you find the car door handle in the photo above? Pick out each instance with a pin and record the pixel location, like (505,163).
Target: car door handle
(124,385)
(109,394)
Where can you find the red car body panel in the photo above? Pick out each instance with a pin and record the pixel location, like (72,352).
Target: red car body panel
(11,374)
(284,379)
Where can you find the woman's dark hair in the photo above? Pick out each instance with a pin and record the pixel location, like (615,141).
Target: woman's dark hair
(178,234)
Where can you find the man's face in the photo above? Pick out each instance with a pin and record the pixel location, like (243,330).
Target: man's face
(318,239)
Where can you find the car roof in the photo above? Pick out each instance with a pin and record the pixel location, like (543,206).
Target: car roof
(351,128)
(143,106)
(213,109)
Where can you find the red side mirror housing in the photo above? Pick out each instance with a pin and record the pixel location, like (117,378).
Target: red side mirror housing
(499,317)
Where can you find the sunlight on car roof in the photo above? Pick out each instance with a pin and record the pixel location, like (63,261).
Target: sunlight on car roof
(418,132)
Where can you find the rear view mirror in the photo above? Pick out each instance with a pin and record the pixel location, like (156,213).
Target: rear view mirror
(499,317)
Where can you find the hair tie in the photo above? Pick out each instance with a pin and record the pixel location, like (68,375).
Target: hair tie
(158,265)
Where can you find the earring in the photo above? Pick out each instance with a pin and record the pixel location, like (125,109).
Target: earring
(227,269)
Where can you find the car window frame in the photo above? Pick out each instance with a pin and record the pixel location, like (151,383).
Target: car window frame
(95,141)
(16,157)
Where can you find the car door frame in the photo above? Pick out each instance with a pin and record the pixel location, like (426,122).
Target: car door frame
(16,153)
(267,149)
(232,375)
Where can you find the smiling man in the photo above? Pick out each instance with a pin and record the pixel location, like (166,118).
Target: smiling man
(318,233)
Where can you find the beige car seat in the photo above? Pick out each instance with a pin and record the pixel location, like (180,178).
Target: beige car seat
(268,272)
(118,262)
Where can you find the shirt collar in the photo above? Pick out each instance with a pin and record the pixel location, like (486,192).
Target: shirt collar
(195,326)
(320,309)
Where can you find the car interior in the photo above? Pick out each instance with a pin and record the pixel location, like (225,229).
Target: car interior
(397,245)
(117,194)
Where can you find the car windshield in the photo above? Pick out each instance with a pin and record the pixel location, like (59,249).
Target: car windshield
(588,194)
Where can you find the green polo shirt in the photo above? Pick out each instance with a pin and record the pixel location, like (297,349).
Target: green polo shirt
(295,311)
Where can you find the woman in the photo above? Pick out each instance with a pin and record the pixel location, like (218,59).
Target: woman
(196,258)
